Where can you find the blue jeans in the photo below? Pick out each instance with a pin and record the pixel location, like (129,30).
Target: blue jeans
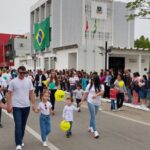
(38,89)
(45,126)
(72,88)
(120,99)
(93,109)
(112,104)
(20,118)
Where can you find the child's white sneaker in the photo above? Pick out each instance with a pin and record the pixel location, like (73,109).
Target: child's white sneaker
(96,134)
(18,147)
(90,130)
(45,144)
(22,144)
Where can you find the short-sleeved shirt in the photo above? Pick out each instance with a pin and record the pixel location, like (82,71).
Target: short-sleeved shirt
(91,92)
(20,92)
(78,93)
(68,112)
(3,83)
(44,108)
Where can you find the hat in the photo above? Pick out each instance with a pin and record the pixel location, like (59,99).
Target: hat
(148,72)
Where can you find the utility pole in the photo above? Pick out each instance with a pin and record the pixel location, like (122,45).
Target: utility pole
(106,51)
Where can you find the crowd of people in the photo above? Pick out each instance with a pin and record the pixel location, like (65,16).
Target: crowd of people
(20,88)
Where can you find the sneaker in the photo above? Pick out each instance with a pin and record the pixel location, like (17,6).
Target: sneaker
(113,110)
(22,144)
(45,144)
(90,130)
(96,134)
(18,147)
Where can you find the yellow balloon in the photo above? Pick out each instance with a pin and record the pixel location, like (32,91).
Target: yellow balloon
(121,84)
(44,82)
(59,95)
(64,125)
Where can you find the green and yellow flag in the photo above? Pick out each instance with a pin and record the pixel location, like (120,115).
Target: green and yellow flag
(42,35)
(95,27)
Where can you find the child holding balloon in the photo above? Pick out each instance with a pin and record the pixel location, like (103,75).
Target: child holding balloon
(44,107)
(68,113)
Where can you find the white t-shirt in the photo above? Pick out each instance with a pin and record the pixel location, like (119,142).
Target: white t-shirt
(45,108)
(68,112)
(78,93)
(91,93)
(3,82)
(72,81)
(40,80)
(20,92)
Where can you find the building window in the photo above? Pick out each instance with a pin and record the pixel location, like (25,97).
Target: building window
(87,35)
(92,35)
(107,36)
(101,35)
(88,9)
(109,12)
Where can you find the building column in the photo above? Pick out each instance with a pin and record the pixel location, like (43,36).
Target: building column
(60,40)
(140,63)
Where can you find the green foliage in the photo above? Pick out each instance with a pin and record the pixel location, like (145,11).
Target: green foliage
(142,42)
(138,8)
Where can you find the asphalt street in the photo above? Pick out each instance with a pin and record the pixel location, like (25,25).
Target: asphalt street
(122,130)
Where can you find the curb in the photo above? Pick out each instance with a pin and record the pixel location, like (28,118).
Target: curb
(140,107)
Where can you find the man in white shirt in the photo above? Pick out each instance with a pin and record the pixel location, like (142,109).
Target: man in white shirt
(20,93)
(3,86)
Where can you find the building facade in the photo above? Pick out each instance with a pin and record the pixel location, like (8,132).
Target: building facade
(74,43)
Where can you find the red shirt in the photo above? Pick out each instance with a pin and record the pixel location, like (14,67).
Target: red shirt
(113,93)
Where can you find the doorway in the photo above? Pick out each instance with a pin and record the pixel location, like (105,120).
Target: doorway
(117,63)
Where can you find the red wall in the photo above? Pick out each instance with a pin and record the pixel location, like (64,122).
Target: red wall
(3,40)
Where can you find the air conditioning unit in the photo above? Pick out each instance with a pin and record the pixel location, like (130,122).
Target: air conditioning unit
(21,44)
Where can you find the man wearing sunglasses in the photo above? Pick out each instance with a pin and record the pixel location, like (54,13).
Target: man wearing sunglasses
(20,93)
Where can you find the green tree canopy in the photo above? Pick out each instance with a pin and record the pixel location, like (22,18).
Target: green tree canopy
(139,8)
(142,42)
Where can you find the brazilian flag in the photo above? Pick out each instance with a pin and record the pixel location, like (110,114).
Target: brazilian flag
(42,35)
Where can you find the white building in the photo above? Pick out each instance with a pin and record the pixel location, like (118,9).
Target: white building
(71,46)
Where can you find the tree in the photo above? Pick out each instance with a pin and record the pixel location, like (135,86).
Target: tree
(138,8)
(142,42)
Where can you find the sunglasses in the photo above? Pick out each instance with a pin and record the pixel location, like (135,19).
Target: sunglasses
(23,72)
(45,106)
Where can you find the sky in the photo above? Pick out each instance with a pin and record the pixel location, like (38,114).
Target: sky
(15,18)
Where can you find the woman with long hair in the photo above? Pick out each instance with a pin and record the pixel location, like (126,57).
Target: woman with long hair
(53,85)
(93,93)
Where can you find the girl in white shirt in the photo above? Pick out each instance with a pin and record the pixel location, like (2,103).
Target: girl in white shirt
(44,107)
(68,113)
(94,91)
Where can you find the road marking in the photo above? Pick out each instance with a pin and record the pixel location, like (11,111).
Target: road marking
(122,117)
(34,133)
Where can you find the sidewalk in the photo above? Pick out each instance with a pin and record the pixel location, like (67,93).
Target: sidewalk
(129,105)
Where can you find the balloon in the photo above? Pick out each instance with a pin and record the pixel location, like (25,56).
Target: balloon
(59,95)
(52,85)
(44,82)
(121,84)
(64,125)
